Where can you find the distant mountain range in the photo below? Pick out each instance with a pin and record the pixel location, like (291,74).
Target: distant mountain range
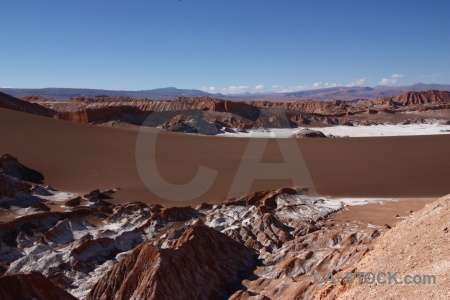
(66,93)
(170,93)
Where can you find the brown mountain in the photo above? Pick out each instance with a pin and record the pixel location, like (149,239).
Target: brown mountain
(181,113)
(340,92)
(418,98)
(202,264)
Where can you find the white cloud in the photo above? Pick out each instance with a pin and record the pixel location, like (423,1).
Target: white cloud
(358,82)
(384,81)
(294,89)
(234,89)
(317,84)
(241,89)
(211,89)
(390,81)
(238,89)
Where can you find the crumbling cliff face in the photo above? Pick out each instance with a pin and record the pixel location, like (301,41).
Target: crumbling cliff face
(127,114)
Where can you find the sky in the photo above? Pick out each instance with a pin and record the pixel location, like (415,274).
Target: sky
(223,46)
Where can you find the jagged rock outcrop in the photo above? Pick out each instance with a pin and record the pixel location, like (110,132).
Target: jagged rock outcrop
(418,98)
(30,286)
(325,108)
(291,240)
(74,249)
(308,133)
(11,187)
(203,264)
(195,122)
(9,165)
(12,180)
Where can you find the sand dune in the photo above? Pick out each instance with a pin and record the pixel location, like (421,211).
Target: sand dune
(78,157)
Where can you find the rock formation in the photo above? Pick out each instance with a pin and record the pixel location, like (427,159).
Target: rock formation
(225,113)
(308,133)
(202,264)
(418,98)
(30,286)
(417,246)
(9,165)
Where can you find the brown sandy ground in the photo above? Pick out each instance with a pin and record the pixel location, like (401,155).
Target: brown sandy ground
(389,212)
(78,158)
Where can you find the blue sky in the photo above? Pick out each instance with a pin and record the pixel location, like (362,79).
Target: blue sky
(226,46)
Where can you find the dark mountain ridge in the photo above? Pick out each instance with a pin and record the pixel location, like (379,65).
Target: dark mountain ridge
(172,93)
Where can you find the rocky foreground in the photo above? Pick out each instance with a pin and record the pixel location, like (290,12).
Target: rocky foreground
(266,245)
(417,246)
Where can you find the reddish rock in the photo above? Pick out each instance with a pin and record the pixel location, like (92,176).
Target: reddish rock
(268,197)
(203,264)
(30,286)
(172,214)
(73,202)
(105,114)
(204,205)
(418,98)
(37,98)
(235,114)
(39,206)
(308,133)
(346,122)
(96,194)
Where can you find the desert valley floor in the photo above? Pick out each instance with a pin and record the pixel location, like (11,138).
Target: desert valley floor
(90,228)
